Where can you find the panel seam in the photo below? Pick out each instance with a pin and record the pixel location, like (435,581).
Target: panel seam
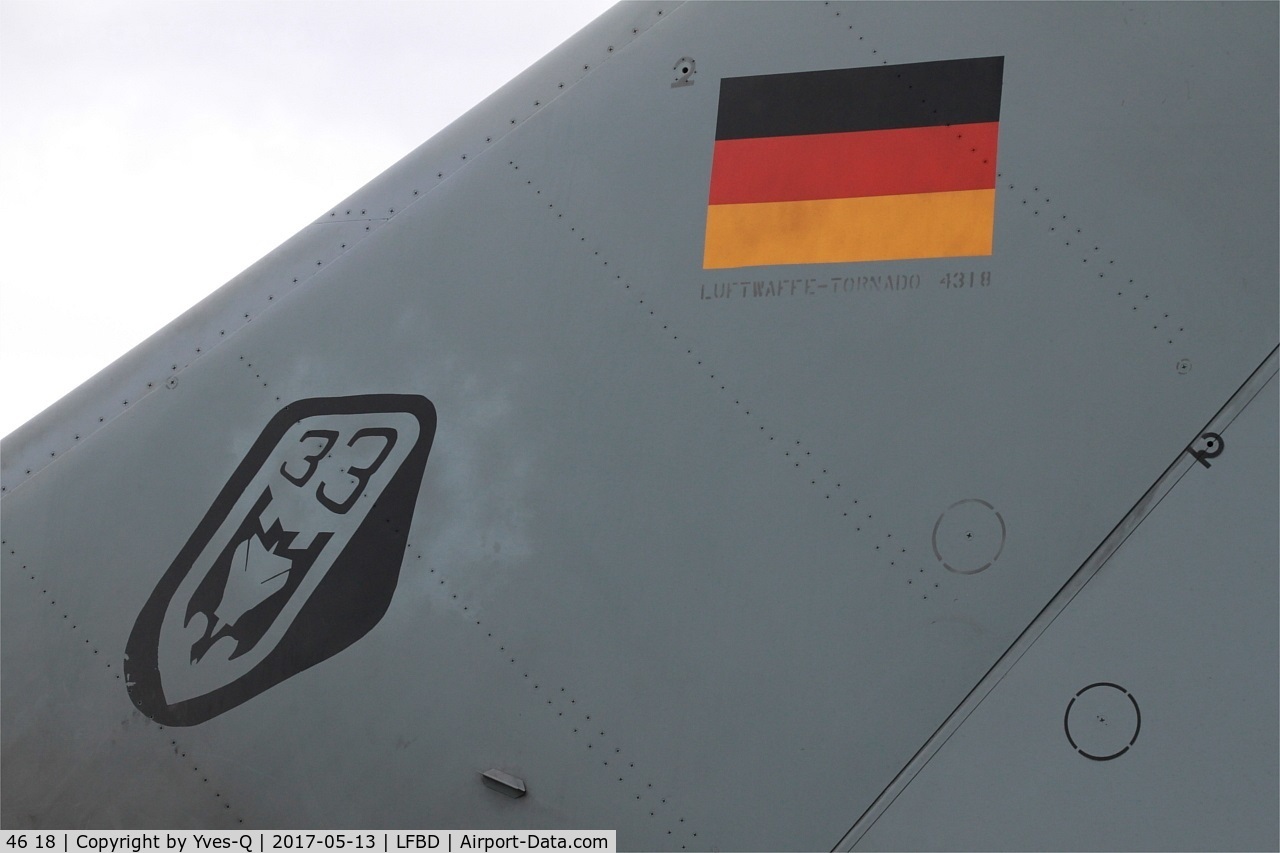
(1185,460)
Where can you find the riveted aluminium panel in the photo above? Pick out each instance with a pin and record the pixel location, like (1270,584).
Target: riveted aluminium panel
(1181,619)
(1099,384)
(703,562)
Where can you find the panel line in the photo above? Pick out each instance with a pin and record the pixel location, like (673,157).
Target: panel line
(1173,474)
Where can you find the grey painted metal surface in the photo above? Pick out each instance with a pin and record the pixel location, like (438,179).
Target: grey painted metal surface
(672,532)
(1093,736)
(1183,618)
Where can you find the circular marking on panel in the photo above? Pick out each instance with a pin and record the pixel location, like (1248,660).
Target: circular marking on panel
(969,536)
(1102,721)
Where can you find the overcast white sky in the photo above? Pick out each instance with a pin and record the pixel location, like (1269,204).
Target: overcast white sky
(149,151)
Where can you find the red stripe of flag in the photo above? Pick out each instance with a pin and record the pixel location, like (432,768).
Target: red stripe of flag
(853,165)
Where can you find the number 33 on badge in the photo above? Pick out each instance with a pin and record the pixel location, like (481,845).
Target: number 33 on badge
(296,559)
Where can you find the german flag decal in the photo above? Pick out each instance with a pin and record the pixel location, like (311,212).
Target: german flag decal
(856,164)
